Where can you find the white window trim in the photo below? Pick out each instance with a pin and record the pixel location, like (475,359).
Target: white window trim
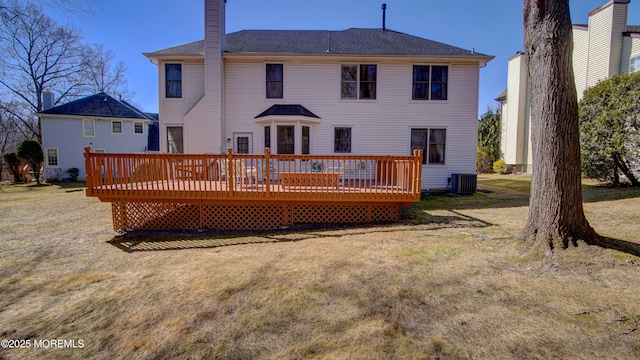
(166,137)
(297,134)
(284,81)
(446,145)
(121,127)
(357,65)
(163,85)
(93,125)
(429,101)
(46,152)
(134,128)
(333,137)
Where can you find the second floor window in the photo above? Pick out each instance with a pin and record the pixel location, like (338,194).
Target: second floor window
(634,64)
(116,127)
(275,81)
(173,73)
(358,81)
(430,82)
(88,128)
(138,127)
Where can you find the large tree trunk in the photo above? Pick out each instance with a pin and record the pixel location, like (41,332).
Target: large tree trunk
(556,217)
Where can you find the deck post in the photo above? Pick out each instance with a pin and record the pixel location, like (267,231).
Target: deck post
(417,175)
(230,172)
(267,170)
(89,171)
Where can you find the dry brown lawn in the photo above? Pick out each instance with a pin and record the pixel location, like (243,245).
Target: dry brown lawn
(449,282)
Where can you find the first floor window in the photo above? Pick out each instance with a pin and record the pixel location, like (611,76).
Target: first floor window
(116,127)
(432,142)
(342,139)
(138,127)
(52,157)
(634,64)
(267,137)
(305,140)
(286,139)
(174,140)
(242,144)
(88,128)
(358,81)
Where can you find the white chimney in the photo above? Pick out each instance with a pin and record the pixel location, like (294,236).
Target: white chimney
(47,100)
(606,25)
(214,42)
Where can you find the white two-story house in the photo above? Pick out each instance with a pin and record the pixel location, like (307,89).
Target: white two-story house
(603,48)
(356,91)
(101,122)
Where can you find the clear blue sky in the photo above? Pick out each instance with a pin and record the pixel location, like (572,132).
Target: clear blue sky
(492,27)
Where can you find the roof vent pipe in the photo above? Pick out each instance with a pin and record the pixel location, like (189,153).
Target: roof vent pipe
(384,15)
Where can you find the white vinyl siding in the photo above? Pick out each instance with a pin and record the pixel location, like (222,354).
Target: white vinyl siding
(378,127)
(192,90)
(580,59)
(630,54)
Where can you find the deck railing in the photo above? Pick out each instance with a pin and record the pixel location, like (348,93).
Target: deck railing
(207,177)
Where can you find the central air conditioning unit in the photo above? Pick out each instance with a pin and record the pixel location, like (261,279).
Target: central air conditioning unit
(464,183)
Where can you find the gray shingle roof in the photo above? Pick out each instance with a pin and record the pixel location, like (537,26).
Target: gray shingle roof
(291,110)
(98,105)
(313,42)
(633,29)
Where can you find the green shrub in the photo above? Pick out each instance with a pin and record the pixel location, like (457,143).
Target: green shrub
(30,152)
(74,173)
(500,167)
(483,162)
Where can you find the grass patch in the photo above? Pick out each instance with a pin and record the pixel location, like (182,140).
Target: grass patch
(448,282)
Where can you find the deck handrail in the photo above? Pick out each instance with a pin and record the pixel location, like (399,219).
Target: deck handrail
(202,177)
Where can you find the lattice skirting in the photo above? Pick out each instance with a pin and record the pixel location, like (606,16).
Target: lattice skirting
(167,215)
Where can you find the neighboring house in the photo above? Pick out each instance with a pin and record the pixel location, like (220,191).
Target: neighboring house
(354,92)
(99,121)
(605,47)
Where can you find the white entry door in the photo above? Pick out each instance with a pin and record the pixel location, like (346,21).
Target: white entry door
(243,143)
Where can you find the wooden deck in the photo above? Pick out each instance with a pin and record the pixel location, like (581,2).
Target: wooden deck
(160,191)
